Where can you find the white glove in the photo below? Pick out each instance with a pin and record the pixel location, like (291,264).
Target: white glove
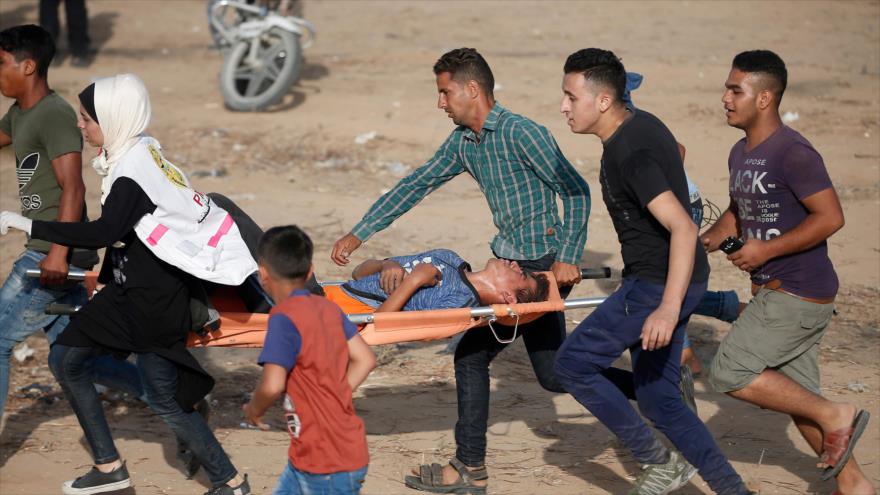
(9,219)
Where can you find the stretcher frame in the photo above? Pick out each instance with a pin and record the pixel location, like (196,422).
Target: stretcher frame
(247,330)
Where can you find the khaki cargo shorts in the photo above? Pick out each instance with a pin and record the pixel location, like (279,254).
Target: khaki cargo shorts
(776,331)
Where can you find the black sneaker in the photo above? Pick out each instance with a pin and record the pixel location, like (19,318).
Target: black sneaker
(97,482)
(243,489)
(686,388)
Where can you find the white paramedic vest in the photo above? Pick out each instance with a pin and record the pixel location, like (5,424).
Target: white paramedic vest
(187,229)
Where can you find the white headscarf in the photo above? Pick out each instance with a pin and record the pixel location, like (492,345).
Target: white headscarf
(122,106)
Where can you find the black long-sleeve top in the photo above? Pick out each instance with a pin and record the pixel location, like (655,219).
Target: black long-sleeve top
(144,306)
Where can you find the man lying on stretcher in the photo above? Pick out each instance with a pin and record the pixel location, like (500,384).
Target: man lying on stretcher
(436,279)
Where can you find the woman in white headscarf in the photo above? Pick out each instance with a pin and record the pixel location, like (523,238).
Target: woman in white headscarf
(159,232)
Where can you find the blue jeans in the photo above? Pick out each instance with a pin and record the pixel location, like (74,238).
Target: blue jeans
(73,367)
(614,327)
(296,482)
(721,305)
(22,312)
(159,377)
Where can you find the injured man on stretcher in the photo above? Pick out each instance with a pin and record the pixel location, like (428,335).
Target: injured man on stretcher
(436,279)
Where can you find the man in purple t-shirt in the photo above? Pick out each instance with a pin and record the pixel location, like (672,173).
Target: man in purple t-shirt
(784,207)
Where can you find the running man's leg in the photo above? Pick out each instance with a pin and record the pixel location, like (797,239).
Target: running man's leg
(657,390)
(473,355)
(588,352)
(22,311)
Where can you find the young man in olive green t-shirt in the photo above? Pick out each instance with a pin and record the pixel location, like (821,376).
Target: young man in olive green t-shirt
(42,127)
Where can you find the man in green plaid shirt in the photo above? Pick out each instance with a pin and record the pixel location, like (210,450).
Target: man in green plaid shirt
(521,170)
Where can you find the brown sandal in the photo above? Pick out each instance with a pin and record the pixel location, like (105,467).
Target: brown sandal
(838,445)
(430,479)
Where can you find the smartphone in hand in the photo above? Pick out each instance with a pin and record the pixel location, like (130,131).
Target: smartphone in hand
(731,245)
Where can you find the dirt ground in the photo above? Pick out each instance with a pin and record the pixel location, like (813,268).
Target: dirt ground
(370,71)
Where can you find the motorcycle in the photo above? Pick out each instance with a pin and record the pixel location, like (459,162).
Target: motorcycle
(262,45)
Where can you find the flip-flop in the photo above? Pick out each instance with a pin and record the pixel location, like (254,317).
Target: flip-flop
(846,439)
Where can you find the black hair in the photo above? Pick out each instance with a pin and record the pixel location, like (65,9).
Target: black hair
(767,63)
(538,294)
(465,64)
(599,66)
(286,252)
(87,99)
(29,41)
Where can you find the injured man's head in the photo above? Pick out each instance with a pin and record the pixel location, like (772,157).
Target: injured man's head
(504,281)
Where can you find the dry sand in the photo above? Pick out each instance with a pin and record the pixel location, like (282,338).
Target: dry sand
(370,70)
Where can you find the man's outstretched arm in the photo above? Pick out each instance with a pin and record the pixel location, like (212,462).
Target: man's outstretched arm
(407,193)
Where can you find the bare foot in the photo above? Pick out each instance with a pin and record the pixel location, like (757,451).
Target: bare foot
(690,358)
(839,417)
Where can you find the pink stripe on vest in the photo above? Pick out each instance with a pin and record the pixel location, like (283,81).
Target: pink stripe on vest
(157,234)
(223,230)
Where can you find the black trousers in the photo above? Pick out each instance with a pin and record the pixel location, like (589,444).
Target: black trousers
(77,23)
(475,353)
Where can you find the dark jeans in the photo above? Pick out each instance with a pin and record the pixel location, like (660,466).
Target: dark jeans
(159,378)
(722,305)
(77,23)
(73,367)
(583,365)
(476,351)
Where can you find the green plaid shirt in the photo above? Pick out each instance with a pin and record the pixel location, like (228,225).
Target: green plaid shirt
(520,169)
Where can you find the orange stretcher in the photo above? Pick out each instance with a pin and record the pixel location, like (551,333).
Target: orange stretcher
(239,328)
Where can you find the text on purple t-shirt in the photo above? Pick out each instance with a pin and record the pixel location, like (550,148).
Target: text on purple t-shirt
(768,185)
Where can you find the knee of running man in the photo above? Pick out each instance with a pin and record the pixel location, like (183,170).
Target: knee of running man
(660,404)
(58,362)
(551,382)
(571,368)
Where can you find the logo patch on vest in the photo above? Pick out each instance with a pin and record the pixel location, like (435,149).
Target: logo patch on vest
(170,172)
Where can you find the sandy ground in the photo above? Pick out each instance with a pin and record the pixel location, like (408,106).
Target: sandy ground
(370,70)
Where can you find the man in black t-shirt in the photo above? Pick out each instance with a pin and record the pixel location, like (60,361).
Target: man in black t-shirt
(665,273)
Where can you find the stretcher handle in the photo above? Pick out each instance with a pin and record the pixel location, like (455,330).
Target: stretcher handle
(72,274)
(61,309)
(602,272)
(487,311)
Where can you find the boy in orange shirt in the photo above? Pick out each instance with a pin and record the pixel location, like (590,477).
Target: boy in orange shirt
(314,355)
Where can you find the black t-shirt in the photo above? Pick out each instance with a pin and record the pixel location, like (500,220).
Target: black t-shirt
(641,160)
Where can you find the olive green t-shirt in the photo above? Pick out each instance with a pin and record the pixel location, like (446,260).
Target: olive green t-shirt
(39,135)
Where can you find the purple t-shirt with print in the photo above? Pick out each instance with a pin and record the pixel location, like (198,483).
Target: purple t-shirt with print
(768,184)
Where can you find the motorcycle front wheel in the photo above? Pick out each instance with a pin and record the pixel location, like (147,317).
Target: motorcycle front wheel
(254,83)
